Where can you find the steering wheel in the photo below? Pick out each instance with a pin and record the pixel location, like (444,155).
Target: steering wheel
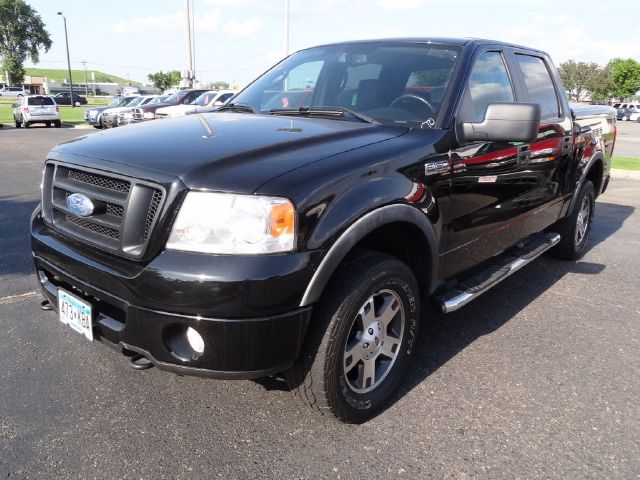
(407,100)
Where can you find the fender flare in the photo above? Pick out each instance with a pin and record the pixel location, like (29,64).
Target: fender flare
(357,231)
(583,178)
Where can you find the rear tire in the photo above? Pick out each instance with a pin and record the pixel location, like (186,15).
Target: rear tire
(48,124)
(57,123)
(574,230)
(25,124)
(361,339)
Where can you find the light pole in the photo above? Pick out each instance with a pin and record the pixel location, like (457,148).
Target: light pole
(66,38)
(286,28)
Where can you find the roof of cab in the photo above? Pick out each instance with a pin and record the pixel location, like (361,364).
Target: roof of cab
(458,42)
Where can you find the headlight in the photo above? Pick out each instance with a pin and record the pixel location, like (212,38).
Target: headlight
(149,115)
(233,224)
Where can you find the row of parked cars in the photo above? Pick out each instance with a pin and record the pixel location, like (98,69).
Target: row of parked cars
(139,108)
(628,111)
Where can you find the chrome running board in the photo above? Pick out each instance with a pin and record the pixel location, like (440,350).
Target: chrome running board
(503,266)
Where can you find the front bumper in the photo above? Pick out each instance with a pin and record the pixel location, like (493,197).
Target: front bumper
(133,313)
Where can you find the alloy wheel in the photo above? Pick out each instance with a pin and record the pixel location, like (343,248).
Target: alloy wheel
(374,339)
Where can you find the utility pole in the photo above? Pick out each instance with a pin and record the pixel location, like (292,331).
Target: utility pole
(286,27)
(66,38)
(187,24)
(86,85)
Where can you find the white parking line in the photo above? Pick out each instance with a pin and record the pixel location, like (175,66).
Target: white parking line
(19,296)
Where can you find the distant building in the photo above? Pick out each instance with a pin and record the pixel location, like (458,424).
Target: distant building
(36,85)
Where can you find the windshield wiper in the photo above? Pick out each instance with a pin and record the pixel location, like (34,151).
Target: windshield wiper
(236,107)
(324,112)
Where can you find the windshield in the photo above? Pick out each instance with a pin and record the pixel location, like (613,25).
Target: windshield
(176,97)
(135,102)
(159,99)
(204,99)
(38,101)
(394,84)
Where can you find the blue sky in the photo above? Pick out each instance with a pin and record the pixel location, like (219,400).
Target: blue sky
(236,40)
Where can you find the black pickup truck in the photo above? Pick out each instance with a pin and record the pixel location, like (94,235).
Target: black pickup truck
(300,230)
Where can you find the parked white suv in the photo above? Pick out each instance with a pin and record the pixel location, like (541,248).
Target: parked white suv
(13,92)
(36,109)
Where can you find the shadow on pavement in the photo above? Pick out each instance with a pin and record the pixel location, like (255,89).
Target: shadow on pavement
(15,255)
(444,336)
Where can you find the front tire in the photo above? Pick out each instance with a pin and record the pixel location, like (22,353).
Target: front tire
(574,230)
(361,338)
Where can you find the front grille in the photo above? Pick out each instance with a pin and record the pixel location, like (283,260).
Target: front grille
(125,209)
(115,210)
(138,114)
(88,225)
(102,181)
(162,115)
(156,201)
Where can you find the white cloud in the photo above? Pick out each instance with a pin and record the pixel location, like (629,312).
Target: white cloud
(150,24)
(572,39)
(400,4)
(172,22)
(208,21)
(244,29)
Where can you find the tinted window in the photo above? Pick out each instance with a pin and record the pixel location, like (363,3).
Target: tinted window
(539,85)
(40,101)
(489,83)
(392,83)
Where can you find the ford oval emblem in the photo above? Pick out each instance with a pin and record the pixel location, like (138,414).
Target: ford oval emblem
(80,204)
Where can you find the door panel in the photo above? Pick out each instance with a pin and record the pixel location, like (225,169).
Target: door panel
(550,152)
(487,177)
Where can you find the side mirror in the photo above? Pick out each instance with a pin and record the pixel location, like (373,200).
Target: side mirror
(15,105)
(503,122)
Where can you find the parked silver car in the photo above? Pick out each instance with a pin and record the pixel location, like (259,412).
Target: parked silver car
(14,92)
(36,109)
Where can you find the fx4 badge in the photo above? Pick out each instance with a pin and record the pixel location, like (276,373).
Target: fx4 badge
(435,168)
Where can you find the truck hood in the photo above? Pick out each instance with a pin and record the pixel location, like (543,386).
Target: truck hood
(226,151)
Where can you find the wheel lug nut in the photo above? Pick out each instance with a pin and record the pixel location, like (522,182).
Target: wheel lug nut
(365,345)
(370,331)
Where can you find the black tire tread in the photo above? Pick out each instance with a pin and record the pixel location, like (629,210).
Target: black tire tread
(312,388)
(566,249)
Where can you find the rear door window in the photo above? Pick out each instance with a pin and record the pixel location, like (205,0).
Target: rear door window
(539,85)
(40,101)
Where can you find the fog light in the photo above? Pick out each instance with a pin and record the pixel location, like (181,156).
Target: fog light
(195,340)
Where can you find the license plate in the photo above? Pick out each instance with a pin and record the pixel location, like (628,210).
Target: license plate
(76,313)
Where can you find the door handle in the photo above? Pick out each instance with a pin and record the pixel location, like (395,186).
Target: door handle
(523,156)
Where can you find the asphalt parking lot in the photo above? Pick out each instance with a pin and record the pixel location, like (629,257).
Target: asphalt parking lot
(628,143)
(539,378)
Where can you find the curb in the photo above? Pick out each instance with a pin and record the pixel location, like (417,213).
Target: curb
(627,174)
(65,125)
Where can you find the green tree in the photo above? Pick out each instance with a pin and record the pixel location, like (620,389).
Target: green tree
(164,80)
(582,79)
(219,85)
(22,35)
(625,74)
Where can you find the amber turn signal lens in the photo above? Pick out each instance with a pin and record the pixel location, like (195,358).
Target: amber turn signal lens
(282,220)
